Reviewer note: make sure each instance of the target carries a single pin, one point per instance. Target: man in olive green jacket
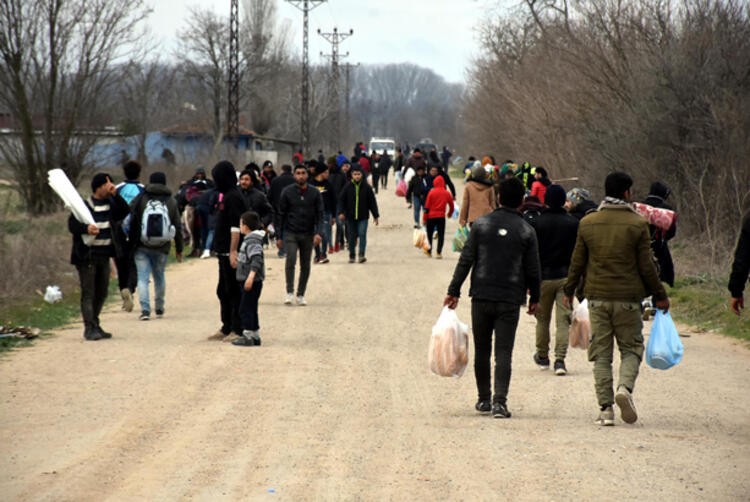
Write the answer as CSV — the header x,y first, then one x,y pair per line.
x,y
613,250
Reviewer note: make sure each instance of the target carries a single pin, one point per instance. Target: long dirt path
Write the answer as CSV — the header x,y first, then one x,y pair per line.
x,y
338,403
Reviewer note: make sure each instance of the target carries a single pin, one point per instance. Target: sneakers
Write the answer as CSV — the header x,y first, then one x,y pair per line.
x,y
301,301
337,248
624,401
500,410
248,339
351,259
316,260
542,362
159,313
145,316
289,299
606,417
91,334
324,260
219,335
483,406
427,253
127,300
331,250
559,367
206,254
438,256
362,259
231,337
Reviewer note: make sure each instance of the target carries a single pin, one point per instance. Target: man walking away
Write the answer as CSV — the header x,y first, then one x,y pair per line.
x,y
657,197
278,184
356,202
91,258
438,201
556,233
613,249
126,273
502,256
299,226
384,165
226,245
324,186
155,223
741,263
478,198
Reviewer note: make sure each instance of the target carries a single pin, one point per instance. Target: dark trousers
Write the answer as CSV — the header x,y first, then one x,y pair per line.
x,y
249,306
94,280
340,226
293,243
228,292
436,225
375,178
384,179
502,318
127,275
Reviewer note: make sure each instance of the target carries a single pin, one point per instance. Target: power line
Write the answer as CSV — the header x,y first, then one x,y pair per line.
x,y
335,38
305,6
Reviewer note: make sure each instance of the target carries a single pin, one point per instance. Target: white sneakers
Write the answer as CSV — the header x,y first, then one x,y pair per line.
x,y
301,301
289,299
206,254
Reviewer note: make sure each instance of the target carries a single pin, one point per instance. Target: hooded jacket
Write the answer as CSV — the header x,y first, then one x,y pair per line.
x,y
503,257
80,253
250,257
437,199
357,201
230,207
556,233
657,196
255,200
741,263
418,187
478,200
155,191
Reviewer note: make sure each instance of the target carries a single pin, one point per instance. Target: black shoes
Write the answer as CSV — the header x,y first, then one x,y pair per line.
x,y
91,334
500,410
542,362
351,259
560,369
362,259
145,316
483,406
159,313
244,341
102,333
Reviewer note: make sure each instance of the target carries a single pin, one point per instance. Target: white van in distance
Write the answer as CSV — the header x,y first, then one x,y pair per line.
x,y
380,144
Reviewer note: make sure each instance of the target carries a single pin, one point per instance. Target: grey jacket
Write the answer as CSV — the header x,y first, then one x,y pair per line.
x,y
250,257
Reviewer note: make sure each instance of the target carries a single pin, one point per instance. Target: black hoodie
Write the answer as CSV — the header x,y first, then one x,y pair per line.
x,y
230,207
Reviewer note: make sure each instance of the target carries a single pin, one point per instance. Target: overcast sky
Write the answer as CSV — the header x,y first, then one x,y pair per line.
x,y
437,34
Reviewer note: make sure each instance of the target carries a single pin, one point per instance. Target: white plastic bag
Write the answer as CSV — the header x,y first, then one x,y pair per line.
x,y
579,333
448,353
53,294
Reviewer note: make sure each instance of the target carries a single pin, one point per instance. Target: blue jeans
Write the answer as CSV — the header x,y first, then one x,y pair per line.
x,y
357,230
417,203
321,250
147,262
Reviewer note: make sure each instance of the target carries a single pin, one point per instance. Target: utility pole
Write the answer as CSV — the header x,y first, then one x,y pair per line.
x,y
305,6
233,106
335,38
347,94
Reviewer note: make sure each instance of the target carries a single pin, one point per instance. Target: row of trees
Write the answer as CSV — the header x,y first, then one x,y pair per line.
x,y
72,68
658,88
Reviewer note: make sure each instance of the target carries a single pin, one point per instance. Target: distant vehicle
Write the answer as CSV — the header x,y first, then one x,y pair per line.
x,y
426,145
380,144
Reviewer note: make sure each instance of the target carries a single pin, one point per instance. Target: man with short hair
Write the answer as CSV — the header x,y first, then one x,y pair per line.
x,y
278,184
356,202
91,258
151,257
502,256
255,199
613,250
127,276
299,225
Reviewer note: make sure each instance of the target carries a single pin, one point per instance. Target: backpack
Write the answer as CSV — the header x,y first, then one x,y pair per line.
x,y
156,228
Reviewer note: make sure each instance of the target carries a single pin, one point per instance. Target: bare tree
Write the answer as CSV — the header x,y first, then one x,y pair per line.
x,y
56,60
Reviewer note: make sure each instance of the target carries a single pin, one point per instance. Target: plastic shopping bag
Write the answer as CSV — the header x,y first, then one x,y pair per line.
x,y
456,211
448,354
579,333
460,238
420,239
401,189
664,348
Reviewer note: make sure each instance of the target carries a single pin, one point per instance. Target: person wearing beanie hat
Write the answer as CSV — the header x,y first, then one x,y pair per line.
x,y
556,233
155,223
91,256
478,198
579,203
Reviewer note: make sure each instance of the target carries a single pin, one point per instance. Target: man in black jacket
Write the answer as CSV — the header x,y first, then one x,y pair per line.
x,y
255,199
502,255
356,202
657,197
299,224
741,263
556,233
91,257
278,184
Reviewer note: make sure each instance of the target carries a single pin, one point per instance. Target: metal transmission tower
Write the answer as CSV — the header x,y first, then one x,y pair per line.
x,y
233,107
305,6
335,38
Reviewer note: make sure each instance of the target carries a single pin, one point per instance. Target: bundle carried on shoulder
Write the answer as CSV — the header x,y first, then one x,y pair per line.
x,y
657,216
579,333
448,354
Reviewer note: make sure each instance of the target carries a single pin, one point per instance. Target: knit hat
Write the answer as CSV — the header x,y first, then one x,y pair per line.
x,y
578,195
98,180
555,196
478,173
158,178
355,168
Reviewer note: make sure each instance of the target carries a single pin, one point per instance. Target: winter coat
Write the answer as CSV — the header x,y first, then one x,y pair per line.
x,y
329,197
503,257
229,209
556,233
613,249
418,187
583,208
659,237
357,201
250,257
256,200
539,189
437,200
80,253
741,263
300,211
278,184
478,200
155,191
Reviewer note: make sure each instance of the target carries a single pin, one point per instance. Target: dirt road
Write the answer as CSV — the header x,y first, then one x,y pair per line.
x,y
338,403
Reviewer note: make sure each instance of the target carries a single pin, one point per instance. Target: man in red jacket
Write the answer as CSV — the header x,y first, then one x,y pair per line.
x,y
435,212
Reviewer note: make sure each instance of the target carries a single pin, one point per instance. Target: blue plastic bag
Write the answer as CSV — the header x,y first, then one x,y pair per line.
x,y
664,348
456,211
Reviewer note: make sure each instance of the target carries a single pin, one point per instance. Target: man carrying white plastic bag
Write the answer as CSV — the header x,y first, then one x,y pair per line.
x,y
502,256
449,345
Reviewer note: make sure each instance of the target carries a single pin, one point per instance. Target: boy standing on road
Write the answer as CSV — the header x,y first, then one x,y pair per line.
x,y
251,271
613,249
503,259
